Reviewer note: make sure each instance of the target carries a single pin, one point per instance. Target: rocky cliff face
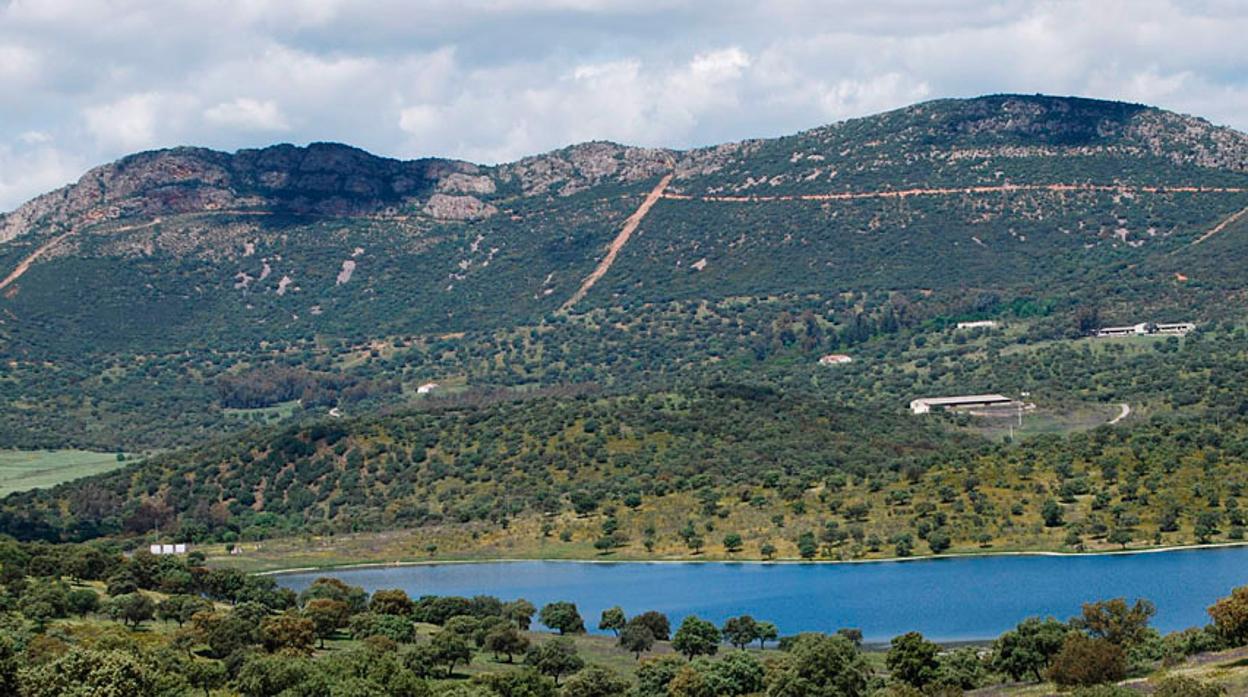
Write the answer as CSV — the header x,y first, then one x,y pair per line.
x,y
322,178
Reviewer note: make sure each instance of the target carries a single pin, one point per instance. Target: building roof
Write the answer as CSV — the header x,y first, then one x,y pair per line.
x,y
965,399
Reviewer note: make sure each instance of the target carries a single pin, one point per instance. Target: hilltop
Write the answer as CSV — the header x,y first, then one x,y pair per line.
x,y
134,299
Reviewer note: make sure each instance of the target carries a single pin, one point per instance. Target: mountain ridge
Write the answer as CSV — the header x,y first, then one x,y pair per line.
x,y
346,180
187,268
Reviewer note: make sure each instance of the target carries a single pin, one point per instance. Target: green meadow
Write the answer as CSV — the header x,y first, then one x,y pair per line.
x,y
22,470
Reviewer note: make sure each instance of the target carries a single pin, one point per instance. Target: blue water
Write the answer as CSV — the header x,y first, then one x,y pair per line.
x,y
945,599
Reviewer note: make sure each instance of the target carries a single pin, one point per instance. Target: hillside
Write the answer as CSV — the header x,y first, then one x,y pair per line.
x,y
132,298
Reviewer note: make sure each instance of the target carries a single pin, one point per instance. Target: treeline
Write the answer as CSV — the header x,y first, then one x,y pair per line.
x,y
264,387
348,475
79,619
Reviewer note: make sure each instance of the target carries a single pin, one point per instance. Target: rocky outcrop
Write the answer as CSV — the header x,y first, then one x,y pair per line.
x,y
322,178
446,207
579,167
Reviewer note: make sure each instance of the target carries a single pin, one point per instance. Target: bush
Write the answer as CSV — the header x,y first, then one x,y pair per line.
x,y
1184,686
1087,661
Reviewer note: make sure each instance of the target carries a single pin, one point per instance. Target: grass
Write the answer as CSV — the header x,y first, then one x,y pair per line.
x,y
22,470
281,410
1048,419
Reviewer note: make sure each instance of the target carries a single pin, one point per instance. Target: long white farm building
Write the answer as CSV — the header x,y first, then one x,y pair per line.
x,y
927,404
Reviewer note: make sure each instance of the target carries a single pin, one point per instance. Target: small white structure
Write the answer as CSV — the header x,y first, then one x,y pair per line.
x,y
427,388
1148,328
835,359
927,404
179,548
983,323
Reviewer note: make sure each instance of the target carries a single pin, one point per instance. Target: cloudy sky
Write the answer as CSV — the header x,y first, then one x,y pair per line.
x,y
86,81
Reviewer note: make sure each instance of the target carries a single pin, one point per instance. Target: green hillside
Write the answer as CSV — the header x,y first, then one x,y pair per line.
x,y
161,276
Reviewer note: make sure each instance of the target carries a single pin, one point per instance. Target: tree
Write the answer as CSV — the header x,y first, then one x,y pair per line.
x,y
656,622
521,612
88,672
205,675
961,668
733,543
1117,622
807,547
912,659
818,665
596,681
507,641
369,624
450,649
740,631
696,637
738,673
1051,511
768,550
328,616
613,619
335,589
1085,660
563,617
903,544
688,682
513,683
391,602
636,638
181,608
938,541
1230,617
1206,526
288,633
1120,536
1029,648
132,608
556,657
83,601
272,675
767,632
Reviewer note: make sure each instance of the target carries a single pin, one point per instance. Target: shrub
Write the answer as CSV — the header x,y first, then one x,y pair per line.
x,y
1088,661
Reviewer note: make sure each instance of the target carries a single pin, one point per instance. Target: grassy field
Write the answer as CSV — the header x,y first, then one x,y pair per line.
x,y
282,410
22,470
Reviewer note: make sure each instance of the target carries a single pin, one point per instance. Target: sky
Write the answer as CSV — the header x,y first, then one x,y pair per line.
x,y
87,81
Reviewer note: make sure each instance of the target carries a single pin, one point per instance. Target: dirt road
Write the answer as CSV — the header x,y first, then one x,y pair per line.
x,y
618,243
1124,413
1220,226
1003,188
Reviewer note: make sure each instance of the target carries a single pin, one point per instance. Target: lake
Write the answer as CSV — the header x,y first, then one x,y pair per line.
x,y
949,599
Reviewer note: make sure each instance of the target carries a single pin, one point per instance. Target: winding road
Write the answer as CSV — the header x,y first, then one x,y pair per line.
x,y
1126,411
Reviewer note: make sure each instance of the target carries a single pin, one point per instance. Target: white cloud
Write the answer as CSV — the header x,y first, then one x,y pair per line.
x,y
493,80
249,114
26,173
129,122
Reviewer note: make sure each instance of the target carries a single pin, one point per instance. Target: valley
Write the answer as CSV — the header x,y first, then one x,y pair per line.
x,y
314,357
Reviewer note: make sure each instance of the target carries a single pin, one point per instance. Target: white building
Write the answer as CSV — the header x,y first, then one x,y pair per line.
x,y
835,359
427,388
983,323
1177,328
1140,329
179,548
1147,328
927,404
